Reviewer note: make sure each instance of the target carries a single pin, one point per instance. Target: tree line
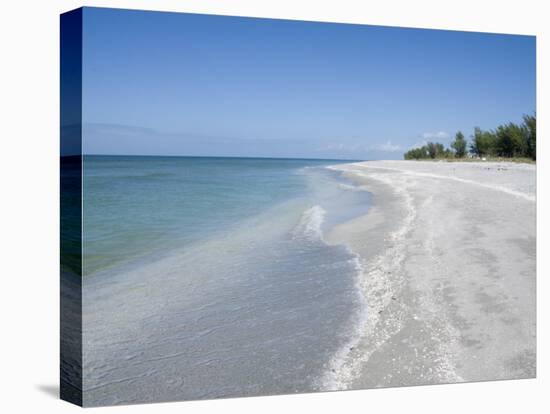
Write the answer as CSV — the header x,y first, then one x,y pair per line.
x,y
507,141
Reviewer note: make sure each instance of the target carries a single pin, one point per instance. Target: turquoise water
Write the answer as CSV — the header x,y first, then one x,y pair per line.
x,y
136,205
210,277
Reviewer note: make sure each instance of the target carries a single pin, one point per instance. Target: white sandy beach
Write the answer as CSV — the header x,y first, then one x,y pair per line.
x,y
448,258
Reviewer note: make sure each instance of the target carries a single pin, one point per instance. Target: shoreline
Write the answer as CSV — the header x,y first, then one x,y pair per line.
x,y
448,258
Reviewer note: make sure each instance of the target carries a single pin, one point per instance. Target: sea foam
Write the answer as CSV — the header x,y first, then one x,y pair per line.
x,y
310,225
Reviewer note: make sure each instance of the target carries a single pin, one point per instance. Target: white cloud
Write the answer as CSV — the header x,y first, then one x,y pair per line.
x,y
388,147
435,135
338,147
418,144
342,147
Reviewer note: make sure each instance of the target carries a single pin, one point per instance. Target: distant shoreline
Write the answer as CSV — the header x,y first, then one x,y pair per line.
x,y
519,160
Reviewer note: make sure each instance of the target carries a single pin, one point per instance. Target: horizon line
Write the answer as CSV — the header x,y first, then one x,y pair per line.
x,y
212,156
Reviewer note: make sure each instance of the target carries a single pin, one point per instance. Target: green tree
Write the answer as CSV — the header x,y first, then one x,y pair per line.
x,y
440,150
432,149
510,140
483,143
459,145
416,153
447,153
530,126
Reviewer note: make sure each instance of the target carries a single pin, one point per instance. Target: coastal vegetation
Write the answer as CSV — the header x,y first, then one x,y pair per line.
x,y
509,141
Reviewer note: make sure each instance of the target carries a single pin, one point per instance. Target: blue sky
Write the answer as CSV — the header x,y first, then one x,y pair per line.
x,y
183,84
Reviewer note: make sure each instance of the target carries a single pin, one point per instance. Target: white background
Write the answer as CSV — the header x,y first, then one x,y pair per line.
x,y
29,146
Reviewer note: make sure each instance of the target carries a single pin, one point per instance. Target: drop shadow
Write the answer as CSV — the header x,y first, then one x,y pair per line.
x,y
49,389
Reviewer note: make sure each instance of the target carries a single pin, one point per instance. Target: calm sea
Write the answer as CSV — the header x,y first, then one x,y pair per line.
x,y
209,277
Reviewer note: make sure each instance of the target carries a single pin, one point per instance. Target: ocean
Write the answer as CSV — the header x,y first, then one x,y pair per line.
x,y
209,277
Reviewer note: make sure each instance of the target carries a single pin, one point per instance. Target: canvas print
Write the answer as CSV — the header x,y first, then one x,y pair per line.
x,y
257,206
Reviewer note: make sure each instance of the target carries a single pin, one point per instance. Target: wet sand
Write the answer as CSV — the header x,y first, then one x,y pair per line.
x,y
448,272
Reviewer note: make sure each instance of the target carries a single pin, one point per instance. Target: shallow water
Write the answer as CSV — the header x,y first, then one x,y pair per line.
x,y
209,277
